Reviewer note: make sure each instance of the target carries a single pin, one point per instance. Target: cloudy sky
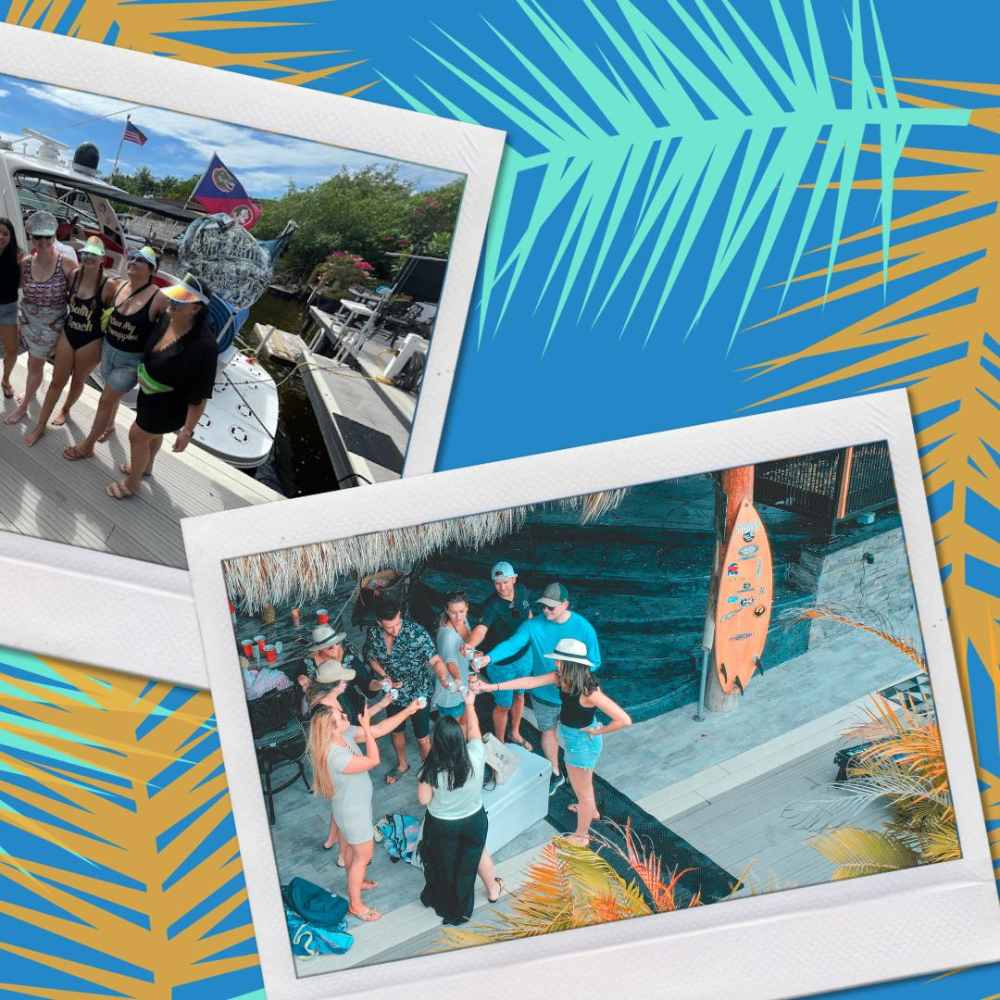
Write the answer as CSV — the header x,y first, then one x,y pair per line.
x,y
182,145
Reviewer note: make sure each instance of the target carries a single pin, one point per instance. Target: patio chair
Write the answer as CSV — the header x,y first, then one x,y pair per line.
x,y
280,740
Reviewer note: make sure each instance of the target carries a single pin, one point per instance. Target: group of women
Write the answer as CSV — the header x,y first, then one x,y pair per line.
x,y
450,781
79,317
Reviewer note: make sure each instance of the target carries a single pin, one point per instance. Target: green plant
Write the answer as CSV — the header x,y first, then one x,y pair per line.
x,y
335,276
904,767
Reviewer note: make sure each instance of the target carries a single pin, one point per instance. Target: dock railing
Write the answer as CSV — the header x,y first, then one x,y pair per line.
x,y
829,487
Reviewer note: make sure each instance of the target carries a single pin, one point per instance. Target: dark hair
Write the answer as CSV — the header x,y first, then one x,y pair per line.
x,y
455,597
449,755
8,259
576,679
386,608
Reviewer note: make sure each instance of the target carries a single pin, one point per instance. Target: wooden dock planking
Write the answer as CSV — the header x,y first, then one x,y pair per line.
x,y
45,495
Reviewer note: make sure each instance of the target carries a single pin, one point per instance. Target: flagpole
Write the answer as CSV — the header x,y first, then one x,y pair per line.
x,y
121,142
197,183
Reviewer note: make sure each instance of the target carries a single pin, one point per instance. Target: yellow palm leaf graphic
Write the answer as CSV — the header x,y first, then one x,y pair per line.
x,y
115,813
958,397
147,27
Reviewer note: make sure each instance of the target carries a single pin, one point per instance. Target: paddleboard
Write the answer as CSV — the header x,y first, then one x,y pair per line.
x,y
743,608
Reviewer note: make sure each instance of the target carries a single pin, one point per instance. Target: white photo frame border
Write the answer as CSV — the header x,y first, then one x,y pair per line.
x,y
90,608
898,924
317,116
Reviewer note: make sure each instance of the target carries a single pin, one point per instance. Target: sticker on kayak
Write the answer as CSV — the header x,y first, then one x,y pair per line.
x,y
747,532
749,551
732,569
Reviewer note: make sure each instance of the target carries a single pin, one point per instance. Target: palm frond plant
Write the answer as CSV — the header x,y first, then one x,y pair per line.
x,y
570,886
628,156
903,767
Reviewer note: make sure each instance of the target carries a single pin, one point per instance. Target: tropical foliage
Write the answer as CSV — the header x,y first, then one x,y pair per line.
x,y
370,213
631,169
120,863
143,183
902,767
571,886
339,272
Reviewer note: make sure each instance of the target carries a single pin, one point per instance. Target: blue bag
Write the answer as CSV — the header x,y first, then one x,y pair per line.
x,y
313,903
400,836
312,939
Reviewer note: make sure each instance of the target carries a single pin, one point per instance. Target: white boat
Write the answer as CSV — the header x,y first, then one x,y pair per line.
x,y
241,418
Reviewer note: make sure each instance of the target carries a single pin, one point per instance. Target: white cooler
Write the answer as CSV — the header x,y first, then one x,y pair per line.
x,y
520,802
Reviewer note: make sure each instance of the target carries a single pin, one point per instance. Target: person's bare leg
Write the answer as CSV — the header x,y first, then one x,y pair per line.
x,y
36,367
487,872
109,428
8,340
399,745
85,360
550,747
361,854
516,714
154,448
333,836
106,408
582,781
424,746
500,722
61,372
140,450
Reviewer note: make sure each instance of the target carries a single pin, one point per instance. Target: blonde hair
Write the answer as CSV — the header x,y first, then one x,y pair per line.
x,y
320,740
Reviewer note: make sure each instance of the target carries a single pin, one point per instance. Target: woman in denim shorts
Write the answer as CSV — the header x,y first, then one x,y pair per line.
x,y
137,306
582,741
41,317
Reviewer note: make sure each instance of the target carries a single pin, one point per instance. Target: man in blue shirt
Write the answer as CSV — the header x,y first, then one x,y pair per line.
x,y
503,613
539,636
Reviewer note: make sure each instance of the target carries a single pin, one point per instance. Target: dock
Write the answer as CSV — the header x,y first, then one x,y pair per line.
x,y
278,344
44,495
365,422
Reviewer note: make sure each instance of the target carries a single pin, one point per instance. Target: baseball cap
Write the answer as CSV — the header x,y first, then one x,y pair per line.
x,y
42,224
502,571
94,246
146,254
553,595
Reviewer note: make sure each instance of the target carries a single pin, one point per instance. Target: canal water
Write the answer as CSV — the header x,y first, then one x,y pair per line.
x,y
300,461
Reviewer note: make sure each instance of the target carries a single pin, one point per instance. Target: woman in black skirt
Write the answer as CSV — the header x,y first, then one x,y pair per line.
x,y
176,378
79,348
453,846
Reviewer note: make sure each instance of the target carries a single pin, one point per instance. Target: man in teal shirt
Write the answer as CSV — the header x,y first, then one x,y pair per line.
x,y
539,636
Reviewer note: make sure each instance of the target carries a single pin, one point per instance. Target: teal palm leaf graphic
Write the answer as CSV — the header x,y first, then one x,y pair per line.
x,y
709,129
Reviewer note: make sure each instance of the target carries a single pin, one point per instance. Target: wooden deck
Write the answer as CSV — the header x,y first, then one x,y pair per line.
x,y
44,495
365,424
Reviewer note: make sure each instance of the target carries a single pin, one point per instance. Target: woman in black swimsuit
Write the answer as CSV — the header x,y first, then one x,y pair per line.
x,y
79,347
138,305
176,378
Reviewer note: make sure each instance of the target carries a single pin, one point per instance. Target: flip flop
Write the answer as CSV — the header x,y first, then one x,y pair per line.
x,y
499,884
118,491
368,915
521,742
395,774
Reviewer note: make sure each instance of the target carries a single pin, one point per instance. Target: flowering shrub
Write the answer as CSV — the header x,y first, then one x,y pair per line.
x,y
340,271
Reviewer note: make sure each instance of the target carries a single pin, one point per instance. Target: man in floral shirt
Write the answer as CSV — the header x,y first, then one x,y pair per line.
x,y
401,651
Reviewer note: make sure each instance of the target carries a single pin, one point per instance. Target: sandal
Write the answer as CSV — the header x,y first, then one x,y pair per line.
x,y
118,491
499,884
367,914
521,742
395,774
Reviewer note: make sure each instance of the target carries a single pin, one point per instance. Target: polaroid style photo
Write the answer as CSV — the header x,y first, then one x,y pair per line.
x,y
218,291
588,715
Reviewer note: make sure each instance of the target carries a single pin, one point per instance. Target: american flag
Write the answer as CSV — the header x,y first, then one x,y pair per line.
x,y
134,134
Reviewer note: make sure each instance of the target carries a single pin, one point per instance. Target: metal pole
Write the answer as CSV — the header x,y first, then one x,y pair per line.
x,y
121,142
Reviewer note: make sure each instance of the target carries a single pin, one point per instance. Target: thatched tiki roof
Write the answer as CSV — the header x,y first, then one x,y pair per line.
x,y
301,574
